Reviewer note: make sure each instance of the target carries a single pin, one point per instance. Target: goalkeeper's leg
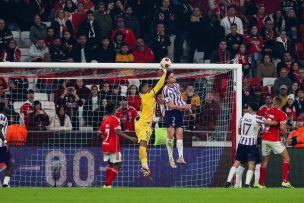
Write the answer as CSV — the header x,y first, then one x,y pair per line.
x,y
144,159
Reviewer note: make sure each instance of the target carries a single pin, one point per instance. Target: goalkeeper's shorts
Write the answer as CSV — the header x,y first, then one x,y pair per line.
x,y
143,131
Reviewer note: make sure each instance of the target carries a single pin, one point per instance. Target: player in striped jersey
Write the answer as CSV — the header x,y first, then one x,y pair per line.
x,y
249,127
5,155
174,117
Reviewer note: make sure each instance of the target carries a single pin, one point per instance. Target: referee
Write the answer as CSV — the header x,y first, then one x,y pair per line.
x,y
174,117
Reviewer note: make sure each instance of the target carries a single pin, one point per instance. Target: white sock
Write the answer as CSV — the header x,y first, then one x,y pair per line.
x,y
169,144
257,173
231,174
239,176
249,177
180,148
6,180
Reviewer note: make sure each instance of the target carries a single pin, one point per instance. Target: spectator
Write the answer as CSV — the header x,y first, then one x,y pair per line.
x,y
25,12
5,35
255,45
268,105
27,108
210,112
300,100
131,20
266,69
69,6
118,41
282,80
38,50
256,96
301,78
133,97
232,18
216,34
61,121
38,119
58,52
278,21
269,36
258,20
2,92
282,45
105,52
127,115
159,114
91,106
104,20
292,110
61,24
234,40
143,54
90,28
294,72
82,52
243,58
50,37
78,17
115,96
294,89
160,42
105,91
71,102
198,33
88,5
38,30
286,63
283,94
101,113
124,56
83,92
190,97
18,89
68,41
12,53
221,55
288,5
292,25
130,38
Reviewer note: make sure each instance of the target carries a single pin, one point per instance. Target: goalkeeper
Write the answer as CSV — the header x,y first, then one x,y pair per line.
x,y
143,128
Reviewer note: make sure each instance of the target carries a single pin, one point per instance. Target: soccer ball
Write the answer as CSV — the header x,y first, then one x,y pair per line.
x,y
165,63
56,165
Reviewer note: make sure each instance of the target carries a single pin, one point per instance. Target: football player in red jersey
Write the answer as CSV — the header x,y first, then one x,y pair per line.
x,y
110,132
271,142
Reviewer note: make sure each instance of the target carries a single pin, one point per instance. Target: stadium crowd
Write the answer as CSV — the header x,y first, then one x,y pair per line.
x,y
266,37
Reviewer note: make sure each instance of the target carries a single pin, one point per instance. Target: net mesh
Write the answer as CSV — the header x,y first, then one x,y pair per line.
x,y
62,147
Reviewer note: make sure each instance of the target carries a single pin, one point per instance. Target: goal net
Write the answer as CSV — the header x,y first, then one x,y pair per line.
x,y
62,106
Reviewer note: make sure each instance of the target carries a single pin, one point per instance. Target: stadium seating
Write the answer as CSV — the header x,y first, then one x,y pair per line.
x,y
269,83
24,55
16,36
25,39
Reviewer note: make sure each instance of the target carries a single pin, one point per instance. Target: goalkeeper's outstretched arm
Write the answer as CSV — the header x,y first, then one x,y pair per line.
x,y
159,84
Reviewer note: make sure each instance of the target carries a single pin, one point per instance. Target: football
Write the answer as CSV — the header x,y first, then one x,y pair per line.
x,y
165,63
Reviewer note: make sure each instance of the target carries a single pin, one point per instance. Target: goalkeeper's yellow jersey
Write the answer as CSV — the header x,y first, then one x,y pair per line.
x,y
148,102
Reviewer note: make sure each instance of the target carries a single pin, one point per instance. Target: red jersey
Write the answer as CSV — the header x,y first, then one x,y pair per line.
x,y
130,38
110,142
134,101
26,109
263,110
272,133
127,117
256,44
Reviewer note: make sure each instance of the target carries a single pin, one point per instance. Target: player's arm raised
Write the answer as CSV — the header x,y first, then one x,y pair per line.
x,y
159,84
123,135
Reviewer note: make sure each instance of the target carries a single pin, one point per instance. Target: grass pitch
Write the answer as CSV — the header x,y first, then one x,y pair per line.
x,y
149,195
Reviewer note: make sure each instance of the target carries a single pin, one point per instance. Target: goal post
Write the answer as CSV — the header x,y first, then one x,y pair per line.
x,y
73,158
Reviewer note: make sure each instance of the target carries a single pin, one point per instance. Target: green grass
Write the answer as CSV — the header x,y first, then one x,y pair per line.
x,y
149,195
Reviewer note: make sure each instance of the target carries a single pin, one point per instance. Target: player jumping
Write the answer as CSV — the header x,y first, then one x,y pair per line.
x,y
247,151
5,155
110,131
174,118
143,125
271,142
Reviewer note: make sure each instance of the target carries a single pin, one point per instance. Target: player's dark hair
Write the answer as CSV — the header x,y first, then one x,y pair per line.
x,y
254,106
168,74
141,86
277,101
268,95
110,108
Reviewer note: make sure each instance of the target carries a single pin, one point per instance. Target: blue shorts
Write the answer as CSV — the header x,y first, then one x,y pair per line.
x,y
174,119
247,153
5,156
